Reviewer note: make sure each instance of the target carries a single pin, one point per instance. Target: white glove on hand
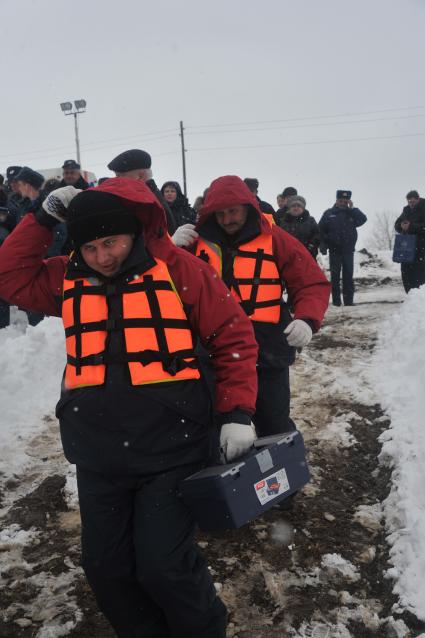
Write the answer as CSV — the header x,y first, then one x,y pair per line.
x,y
298,333
185,235
57,202
236,439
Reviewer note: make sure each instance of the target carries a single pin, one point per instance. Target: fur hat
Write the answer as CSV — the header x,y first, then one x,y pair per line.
x,y
296,199
30,177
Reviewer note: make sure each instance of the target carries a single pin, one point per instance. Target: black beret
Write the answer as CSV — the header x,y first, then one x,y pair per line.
x,y
29,176
130,161
11,172
343,194
71,164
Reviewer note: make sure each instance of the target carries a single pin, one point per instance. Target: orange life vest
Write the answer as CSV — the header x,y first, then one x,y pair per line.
x,y
158,340
256,282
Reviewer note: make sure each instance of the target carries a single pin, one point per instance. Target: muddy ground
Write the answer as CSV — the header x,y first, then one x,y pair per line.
x,y
316,571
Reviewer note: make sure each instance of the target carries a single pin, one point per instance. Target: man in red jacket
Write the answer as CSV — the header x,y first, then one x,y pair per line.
x,y
258,261
134,413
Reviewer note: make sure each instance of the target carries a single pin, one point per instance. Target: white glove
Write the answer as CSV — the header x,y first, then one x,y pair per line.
x,y
57,202
298,333
236,439
185,235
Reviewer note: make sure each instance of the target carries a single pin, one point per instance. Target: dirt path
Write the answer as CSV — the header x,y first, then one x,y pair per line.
x,y
315,572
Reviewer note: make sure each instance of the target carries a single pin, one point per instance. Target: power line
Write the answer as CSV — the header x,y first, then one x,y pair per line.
x,y
90,144
295,126
308,117
358,139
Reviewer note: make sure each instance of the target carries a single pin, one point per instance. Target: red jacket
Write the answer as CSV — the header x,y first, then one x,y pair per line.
x,y
308,289
35,283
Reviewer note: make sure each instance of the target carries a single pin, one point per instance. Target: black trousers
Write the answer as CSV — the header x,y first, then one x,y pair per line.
x,y
140,558
273,402
413,275
4,314
344,262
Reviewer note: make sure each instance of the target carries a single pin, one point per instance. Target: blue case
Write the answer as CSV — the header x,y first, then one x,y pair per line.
x,y
404,248
228,496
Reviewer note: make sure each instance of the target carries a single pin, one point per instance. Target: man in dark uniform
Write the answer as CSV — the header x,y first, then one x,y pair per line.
x,y
338,230
71,175
137,164
253,185
15,201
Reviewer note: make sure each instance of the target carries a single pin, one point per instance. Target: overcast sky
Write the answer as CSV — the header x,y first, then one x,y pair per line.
x,y
265,89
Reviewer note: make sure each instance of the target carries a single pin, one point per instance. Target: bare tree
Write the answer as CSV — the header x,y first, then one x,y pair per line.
x,y
383,233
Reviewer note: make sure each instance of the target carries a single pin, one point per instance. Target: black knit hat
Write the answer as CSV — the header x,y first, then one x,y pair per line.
x,y
130,161
30,177
289,191
93,214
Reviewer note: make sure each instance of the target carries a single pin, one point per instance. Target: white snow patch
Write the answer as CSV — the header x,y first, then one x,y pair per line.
x,y
336,565
337,433
32,366
398,374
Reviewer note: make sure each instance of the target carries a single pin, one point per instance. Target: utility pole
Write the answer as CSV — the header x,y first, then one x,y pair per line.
x,y
77,139
80,107
183,158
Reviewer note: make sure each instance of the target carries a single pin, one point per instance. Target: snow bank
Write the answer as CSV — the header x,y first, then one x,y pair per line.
x,y
399,376
32,362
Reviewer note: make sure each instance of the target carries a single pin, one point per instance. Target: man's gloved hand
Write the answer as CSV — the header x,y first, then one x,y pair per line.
x,y
323,249
185,235
57,202
298,333
236,439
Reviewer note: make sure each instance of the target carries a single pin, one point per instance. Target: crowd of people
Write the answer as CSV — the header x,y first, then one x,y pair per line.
x,y
181,324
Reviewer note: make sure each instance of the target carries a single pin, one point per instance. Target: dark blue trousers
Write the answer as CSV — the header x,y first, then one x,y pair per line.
x,y
4,314
344,262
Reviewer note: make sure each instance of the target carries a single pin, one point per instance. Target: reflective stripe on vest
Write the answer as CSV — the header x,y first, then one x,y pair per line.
x,y
157,335
256,281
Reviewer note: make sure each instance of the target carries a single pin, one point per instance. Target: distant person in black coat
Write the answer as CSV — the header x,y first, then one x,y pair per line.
x,y
71,175
338,229
136,164
282,200
298,222
7,223
177,201
412,222
253,185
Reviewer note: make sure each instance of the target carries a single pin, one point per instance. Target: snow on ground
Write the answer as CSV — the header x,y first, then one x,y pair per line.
x,y
32,362
399,374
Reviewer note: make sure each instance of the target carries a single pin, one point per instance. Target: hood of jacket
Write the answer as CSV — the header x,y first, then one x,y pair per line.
x,y
138,198
228,191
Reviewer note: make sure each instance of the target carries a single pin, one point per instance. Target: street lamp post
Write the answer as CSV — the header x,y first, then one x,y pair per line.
x,y
80,107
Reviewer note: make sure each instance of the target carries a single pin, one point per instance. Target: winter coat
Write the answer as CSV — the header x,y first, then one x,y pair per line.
x,y
265,207
182,212
80,183
304,228
150,428
17,205
306,285
171,222
416,217
338,228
